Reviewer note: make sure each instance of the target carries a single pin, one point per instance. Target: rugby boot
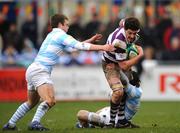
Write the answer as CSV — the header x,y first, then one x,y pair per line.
x,y
9,127
36,126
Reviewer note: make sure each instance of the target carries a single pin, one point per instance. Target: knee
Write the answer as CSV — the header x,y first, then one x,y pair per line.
x,y
51,102
117,95
117,89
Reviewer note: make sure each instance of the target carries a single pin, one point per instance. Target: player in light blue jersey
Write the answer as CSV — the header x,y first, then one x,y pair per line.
x,y
38,74
129,108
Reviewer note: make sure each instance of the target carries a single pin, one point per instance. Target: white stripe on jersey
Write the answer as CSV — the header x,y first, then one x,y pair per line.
x,y
69,40
109,57
55,34
55,49
119,33
52,47
110,39
44,59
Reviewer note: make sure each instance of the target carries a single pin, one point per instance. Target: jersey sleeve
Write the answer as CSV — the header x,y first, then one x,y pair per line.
x,y
69,41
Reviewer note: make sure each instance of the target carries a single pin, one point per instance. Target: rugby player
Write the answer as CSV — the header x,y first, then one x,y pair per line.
x,y
38,74
101,118
114,62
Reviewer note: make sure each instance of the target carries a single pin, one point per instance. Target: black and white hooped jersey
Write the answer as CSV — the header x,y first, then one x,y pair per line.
x,y
120,53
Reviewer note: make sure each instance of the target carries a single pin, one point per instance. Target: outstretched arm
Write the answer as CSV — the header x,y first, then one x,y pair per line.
x,y
71,42
94,38
106,47
85,118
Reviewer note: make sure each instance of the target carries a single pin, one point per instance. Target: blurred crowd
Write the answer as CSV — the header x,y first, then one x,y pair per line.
x,y
160,37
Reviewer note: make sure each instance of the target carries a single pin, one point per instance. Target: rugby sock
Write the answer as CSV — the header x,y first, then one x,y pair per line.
x,y
113,111
20,112
121,113
40,112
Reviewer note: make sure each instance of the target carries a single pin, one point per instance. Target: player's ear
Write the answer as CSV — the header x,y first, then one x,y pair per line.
x,y
60,25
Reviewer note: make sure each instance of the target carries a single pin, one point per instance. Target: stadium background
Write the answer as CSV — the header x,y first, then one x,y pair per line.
x,y
78,76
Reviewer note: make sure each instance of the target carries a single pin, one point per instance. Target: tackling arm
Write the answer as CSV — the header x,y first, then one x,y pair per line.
x,y
94,38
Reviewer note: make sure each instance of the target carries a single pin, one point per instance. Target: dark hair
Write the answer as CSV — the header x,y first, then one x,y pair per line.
x,y
132,23
56,19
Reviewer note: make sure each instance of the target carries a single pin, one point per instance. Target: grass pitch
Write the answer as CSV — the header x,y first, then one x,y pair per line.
x,y
153,117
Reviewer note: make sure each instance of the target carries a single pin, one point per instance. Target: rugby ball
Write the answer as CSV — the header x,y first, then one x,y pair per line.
x,y
131,51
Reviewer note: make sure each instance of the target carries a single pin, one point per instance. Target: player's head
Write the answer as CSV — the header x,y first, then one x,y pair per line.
x,y
131,26
60,21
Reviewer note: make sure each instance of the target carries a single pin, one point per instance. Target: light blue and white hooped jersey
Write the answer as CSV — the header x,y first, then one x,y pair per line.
x,y
53,45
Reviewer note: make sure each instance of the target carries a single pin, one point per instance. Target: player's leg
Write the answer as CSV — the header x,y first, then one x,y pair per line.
x,y
32,100
111,71
85,120
46,92
44,86
134,93
131,106
132,96
133,101
121,119
89,119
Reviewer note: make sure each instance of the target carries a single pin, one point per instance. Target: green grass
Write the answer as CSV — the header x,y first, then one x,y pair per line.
x,y
153,117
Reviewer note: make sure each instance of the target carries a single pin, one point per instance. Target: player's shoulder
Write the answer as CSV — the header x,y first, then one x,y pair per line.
x,y
121,35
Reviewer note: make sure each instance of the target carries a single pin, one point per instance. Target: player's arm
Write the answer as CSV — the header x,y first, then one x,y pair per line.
x,y
93,39
106,47
71,42
127,64
85,117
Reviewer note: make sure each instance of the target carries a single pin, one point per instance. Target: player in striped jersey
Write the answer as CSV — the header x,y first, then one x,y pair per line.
x,y
114,62
101,118
38,74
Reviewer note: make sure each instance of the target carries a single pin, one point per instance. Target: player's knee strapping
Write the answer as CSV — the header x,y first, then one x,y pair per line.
x,y
118,92
116,86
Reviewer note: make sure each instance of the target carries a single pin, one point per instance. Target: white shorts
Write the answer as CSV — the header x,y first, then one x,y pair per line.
x,y
104,113
36,75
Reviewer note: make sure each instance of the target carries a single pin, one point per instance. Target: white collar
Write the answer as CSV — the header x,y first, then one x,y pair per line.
x,y
58,29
